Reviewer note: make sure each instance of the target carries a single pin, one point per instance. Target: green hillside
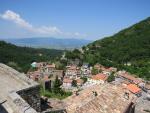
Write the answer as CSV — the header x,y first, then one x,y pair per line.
x,y
20,58
129,46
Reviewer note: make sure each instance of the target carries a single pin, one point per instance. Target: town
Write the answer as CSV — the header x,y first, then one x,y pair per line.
x,y
85,83
75,56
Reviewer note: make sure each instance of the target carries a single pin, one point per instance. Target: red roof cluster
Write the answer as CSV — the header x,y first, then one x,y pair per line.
x,y
109,69
133,88
100,76
130,77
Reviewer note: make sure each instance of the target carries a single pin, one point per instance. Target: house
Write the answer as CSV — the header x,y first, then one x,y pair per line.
x,y
46,68
79,82
134,89
105,70
36,75
71,71
85,70
46,82
130,78
67,83
49,68
48,79
98,79
109,99
40,64
109,70
59,73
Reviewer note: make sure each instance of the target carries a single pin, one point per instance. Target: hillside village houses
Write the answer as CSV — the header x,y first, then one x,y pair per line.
x,y
48,72
86,70
134,89
98,79
128,77
105,70
45,73
72,71
67,83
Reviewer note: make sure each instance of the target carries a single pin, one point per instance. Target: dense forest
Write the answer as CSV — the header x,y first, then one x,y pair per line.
x,y
20,58
129,49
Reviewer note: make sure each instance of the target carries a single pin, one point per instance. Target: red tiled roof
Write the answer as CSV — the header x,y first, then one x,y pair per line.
x,y
100,76
132,78
133,88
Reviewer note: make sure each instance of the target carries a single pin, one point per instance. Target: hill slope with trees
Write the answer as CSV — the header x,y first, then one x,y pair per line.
x,y
20,58
129,49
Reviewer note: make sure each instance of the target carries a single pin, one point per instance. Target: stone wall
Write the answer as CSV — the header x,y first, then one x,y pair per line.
x,y
32,97
2,109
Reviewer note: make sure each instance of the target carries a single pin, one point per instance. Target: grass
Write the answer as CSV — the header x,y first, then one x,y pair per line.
x,y
51,94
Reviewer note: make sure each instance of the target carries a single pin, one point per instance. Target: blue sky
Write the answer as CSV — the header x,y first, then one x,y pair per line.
x,y
88,19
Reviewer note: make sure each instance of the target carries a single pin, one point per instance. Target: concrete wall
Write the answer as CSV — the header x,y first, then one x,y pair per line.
x,y
32,97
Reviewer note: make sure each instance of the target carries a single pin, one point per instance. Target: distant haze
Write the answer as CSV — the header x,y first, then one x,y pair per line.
x,y
54,43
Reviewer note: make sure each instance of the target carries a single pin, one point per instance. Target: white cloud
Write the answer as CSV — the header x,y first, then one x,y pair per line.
x,y
78,34
14,17
45,30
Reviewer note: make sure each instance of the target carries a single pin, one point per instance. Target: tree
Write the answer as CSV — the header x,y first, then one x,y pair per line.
x,y
84,79
21,58
111,77
59,65
57,84
95,71
74,83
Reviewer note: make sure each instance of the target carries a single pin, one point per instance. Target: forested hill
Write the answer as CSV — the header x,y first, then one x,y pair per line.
x,y
130,46
20,58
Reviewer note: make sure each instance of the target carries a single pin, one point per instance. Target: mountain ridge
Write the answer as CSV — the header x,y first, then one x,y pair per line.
x,y
49,42
129,49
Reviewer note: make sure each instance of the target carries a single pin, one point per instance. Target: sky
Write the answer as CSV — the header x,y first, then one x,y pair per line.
x,y
82,19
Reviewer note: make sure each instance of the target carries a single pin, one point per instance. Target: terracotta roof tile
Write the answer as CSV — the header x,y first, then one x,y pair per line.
x,y
100,76
133,88
130,77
